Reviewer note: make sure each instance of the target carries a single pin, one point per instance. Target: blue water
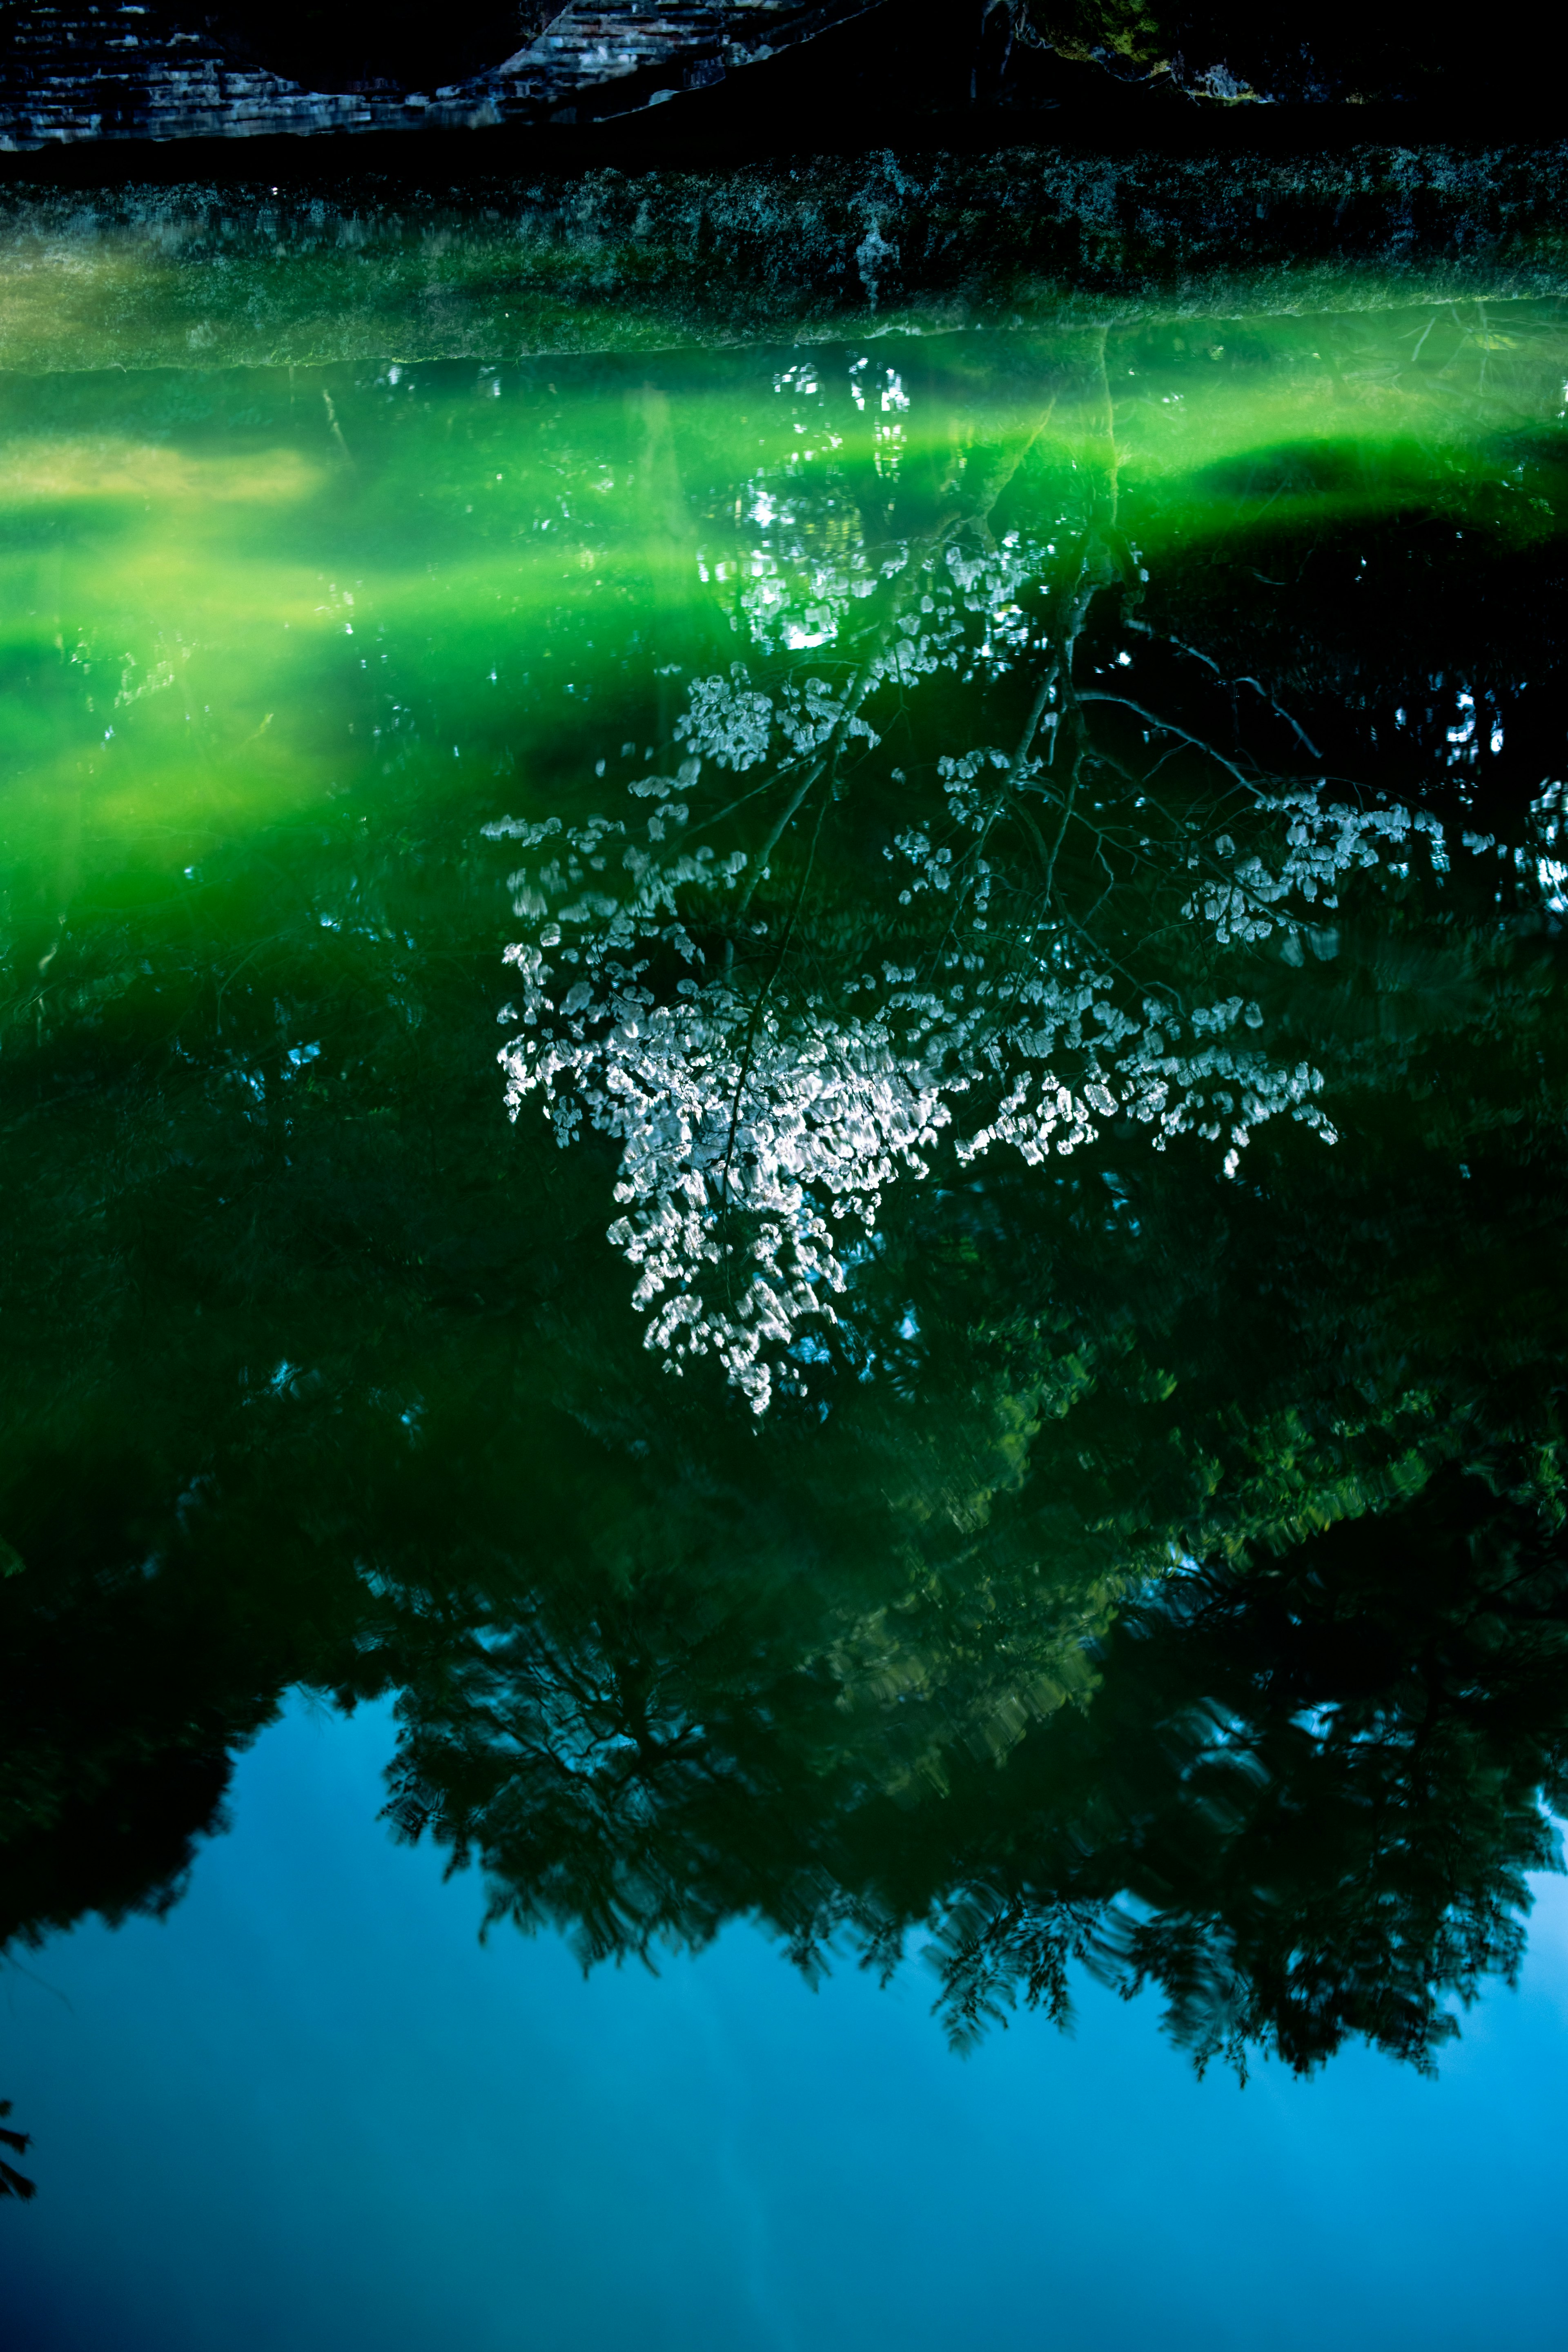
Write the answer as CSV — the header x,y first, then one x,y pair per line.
x,y
310,2110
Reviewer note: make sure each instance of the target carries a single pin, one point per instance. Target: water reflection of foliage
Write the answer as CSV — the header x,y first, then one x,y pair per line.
x,y
834,1677
1305,1789
662,1666
1088,919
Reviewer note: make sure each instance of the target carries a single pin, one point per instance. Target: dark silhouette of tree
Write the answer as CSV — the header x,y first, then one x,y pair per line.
x,y
12,2182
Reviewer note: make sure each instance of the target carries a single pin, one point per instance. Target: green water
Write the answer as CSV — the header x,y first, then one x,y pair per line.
x,y
1004,1375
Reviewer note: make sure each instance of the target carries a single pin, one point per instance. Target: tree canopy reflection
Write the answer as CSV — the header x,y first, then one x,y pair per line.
x,y
1124,1529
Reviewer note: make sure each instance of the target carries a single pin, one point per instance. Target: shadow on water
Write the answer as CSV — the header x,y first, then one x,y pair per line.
x,y
1003,1384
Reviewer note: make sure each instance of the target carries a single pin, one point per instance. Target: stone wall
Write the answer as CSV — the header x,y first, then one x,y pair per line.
x,y
123,70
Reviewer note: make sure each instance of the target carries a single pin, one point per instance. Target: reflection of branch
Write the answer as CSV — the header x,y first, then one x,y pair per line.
x,y
766,990
1102,860
1163,636
1169,727
756,791
985,487
861,684
918,554
1105,955
1098,559
1095,551
1031,727
239,968
1009,784
1280,712
1069,796
760,865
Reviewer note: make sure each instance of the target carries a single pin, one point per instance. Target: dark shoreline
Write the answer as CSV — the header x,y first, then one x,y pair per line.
x,y
582,256
707,131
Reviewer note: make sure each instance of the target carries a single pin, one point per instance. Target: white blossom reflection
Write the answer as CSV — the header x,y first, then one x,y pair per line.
x,y
1058,942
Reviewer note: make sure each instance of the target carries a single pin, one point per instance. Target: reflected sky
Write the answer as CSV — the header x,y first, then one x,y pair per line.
x,y
310,2106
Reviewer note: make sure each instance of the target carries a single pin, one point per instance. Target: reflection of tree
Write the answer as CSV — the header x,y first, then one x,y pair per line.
x,y
1088,924
1304,1790
661,1670
1112,887
12,2182
1306,1799
318,1372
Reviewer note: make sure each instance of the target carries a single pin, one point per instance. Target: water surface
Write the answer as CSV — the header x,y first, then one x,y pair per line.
x,y
817,1093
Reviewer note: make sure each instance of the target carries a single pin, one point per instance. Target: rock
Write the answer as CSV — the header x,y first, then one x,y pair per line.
x,y
125,71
